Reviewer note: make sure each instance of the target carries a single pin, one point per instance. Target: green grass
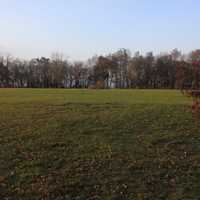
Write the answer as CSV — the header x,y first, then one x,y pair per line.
x,y
98,144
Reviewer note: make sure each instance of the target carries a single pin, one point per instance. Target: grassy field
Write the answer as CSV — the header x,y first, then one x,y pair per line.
x,y
98,145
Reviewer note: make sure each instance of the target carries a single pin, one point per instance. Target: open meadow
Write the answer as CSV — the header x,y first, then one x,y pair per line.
x,y
58,144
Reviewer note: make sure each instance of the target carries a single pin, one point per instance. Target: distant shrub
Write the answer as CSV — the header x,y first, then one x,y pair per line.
x,y
194,91
98,85
195,94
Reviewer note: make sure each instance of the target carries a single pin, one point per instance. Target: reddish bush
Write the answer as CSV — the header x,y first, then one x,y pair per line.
x,y
194,93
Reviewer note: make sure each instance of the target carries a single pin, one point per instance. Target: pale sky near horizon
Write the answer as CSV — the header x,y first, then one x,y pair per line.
x,y
82,28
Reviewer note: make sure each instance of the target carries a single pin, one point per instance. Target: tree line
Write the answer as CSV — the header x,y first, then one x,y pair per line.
x,y
117,70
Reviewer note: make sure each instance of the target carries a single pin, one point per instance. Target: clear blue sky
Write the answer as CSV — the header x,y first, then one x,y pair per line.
x,y
82,28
